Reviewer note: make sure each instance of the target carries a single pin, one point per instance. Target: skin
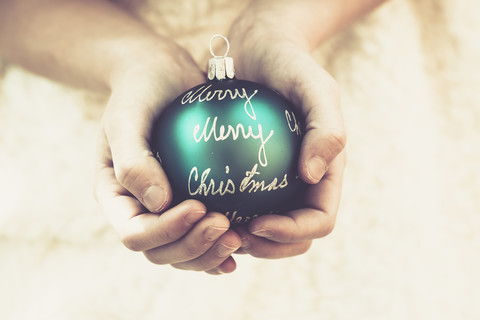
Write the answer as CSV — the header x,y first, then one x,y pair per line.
x,y
271,43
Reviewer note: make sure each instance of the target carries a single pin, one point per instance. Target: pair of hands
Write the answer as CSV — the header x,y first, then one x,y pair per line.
x,y
133,189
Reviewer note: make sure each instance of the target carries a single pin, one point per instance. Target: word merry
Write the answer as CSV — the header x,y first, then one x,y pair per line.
x,y
220,133
204,94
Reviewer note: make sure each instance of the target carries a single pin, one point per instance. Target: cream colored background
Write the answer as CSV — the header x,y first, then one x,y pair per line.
x,y
407,240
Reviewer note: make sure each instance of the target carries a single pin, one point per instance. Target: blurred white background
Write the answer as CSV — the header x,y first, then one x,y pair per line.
x,y
407,240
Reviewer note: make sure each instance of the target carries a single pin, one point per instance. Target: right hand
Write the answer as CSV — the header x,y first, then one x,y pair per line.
x,y
275,52
131,186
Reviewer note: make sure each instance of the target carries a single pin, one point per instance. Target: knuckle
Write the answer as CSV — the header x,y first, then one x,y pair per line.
x,y
132,242
127,172
192,266
332,85
262,252
304,247
290,250
193,251
201,265
327,228
166,236
337,138
329,84
192,205
154,258
291,238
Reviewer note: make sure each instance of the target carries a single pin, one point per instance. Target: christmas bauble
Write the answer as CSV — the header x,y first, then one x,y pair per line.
x,y
232,144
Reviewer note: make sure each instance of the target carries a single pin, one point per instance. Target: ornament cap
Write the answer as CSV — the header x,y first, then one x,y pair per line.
x,y
220,67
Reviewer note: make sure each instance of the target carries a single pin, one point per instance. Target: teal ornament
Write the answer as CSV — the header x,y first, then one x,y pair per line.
x,y
231,144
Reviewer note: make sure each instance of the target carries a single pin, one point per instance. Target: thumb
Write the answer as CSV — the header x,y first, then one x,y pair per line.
x,y
316,95
319,98
127,123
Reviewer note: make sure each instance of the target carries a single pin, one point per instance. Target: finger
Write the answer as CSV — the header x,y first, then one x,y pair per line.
x,y
216,257
135,167
140,231
264,248
324,136
146,231
227,266
137,229
318,217
198,241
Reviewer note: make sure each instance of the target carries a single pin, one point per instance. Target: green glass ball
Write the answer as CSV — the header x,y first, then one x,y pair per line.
x,y
233,145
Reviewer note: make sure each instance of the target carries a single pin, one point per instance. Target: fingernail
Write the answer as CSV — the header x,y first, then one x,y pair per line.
x,y
263,233
316,168
194,216
155,198
224,250
213,233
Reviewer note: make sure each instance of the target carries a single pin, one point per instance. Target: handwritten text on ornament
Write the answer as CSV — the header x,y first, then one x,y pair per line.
x,y
204,94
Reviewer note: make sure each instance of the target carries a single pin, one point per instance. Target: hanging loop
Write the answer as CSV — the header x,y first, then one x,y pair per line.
x,y
211,49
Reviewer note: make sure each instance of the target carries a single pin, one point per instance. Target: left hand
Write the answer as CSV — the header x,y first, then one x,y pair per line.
x,y
132,187
264,54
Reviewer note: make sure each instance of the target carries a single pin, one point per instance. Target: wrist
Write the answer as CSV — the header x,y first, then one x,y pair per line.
x,y
272,22
306,23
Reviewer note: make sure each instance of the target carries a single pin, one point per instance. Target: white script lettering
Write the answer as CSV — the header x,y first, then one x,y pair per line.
x,y
206,185
204,188
204,94
292,122
220,133
253,186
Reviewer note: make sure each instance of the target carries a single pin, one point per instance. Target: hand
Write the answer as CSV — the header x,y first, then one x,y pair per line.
x,y
131,185
266,53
